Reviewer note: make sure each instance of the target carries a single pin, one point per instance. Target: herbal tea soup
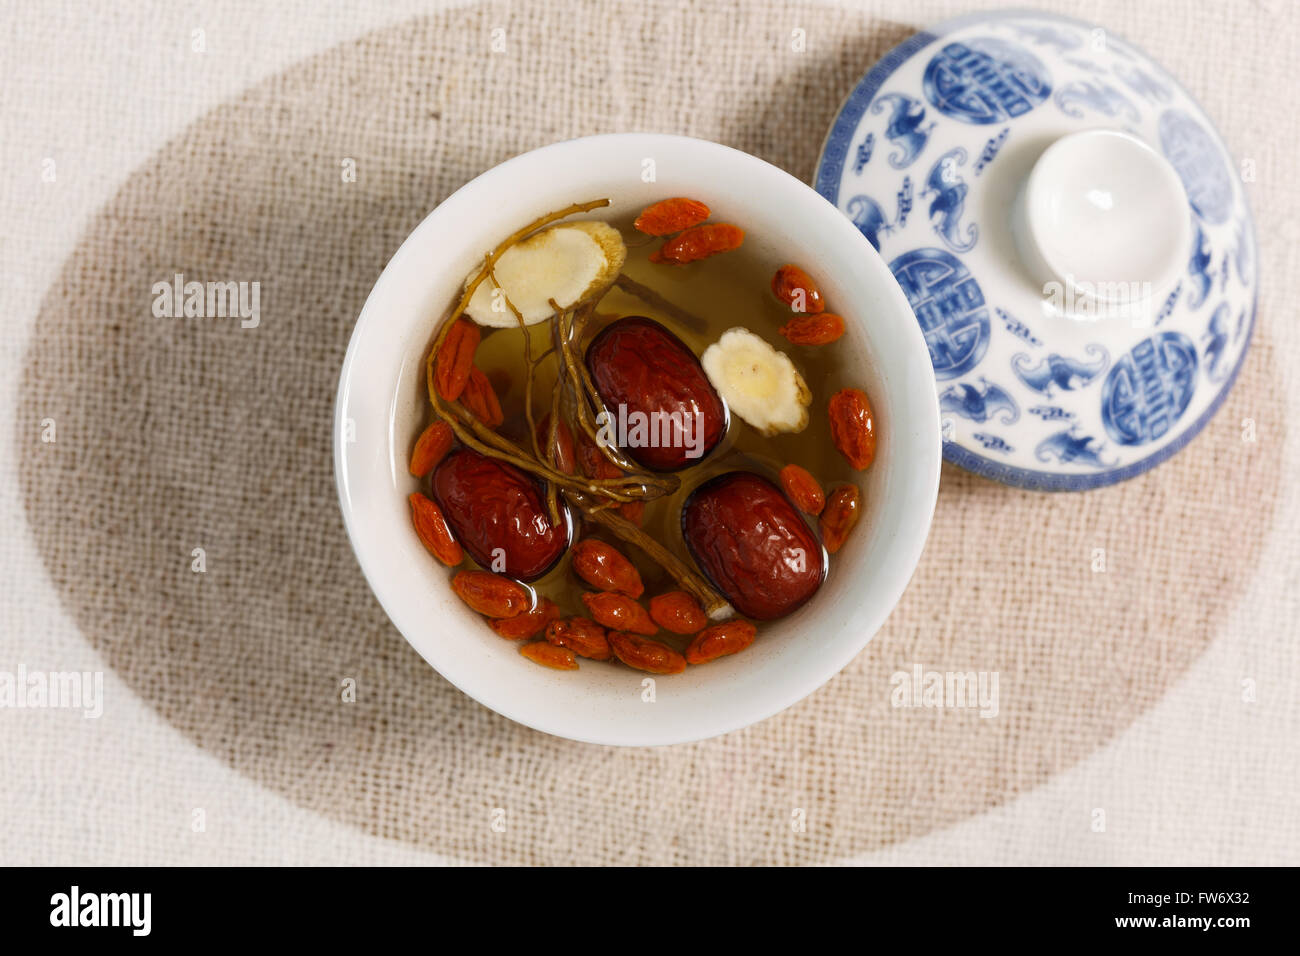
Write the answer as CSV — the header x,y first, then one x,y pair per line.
x,y
641,440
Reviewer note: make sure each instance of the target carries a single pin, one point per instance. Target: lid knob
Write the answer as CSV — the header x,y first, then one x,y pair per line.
x,y
1104,215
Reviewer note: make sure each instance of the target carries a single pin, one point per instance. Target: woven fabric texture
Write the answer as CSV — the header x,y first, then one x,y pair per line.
x,y
174,435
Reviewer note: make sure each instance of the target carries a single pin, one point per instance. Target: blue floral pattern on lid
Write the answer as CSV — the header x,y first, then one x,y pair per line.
x,y
926,157
1199,164
1149,389
950,307
985,80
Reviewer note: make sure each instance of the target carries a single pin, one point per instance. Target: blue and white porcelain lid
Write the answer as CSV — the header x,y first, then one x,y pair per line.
x,y
1071,232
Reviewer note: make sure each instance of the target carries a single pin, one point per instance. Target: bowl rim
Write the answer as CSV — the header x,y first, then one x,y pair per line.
x,y
905,553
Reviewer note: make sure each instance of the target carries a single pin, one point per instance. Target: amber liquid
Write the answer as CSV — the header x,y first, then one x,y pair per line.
x,y
728,290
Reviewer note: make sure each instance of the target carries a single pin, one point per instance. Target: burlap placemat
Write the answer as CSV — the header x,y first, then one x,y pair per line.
x,y
178,434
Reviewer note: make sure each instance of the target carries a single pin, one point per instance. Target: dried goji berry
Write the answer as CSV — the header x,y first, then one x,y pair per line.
x,y
633,511
729,637
526,625
491,594
645,655
796,289
548,655
803,489
843,509
678,612
433,532
620,612
603,566
455,359
853,428
581,635
699,242
433,443
813,329
669,216
481,399
564,449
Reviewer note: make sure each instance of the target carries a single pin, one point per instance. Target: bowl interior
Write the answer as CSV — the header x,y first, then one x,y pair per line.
x,y
381,405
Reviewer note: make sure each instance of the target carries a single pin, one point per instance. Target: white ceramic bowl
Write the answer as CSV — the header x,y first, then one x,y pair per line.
x,y
381,404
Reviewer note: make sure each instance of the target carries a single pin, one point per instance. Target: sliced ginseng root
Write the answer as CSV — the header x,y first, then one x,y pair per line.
x,y
569,263
758,383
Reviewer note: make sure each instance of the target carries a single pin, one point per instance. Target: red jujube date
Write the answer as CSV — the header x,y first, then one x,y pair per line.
x,y
753,545
497,510
667,414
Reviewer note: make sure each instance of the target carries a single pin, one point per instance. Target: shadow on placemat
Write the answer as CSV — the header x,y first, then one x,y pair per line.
x,y
176,434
